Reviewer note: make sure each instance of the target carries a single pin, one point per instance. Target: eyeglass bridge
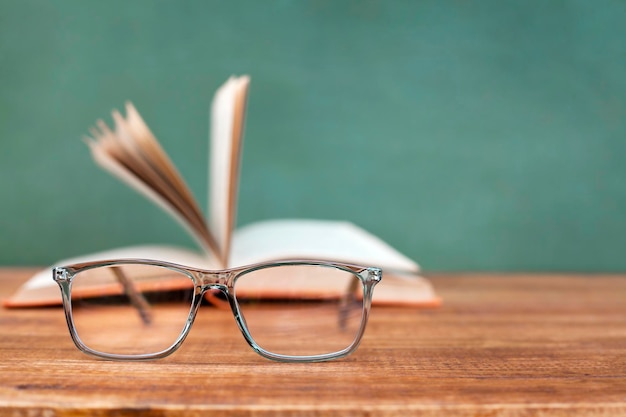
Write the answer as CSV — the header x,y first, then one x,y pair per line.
x,y
215,280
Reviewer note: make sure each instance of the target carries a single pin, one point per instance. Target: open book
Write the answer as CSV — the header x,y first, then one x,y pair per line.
x,y
132,153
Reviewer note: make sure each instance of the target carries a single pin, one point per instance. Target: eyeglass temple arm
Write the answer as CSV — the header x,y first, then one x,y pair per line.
x,y
136,297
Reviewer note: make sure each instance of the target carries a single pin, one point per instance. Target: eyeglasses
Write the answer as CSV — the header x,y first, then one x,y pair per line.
x,y
292,311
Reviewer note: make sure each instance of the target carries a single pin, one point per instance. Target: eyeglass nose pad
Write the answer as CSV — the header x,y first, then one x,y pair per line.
x,y
217,299
214,295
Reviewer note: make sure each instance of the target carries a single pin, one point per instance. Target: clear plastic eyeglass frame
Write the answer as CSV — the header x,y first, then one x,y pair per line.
x,y
224,282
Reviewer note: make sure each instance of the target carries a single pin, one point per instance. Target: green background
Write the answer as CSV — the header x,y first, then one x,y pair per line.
x,y
485,135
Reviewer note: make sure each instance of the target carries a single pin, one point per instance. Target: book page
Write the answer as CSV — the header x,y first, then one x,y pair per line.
x,y
227,121
41,290
109,164
339,241
147,153
133,155
314,239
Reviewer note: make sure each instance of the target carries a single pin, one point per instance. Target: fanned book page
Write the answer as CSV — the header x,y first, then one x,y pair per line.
x,y
132,153
227,123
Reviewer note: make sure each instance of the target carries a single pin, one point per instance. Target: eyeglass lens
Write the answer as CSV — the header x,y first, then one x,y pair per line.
x,y
310,309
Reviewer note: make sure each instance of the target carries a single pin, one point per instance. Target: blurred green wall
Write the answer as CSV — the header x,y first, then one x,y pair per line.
x,y
471,135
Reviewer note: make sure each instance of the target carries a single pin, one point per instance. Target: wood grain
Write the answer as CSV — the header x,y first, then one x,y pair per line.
x,y
501,345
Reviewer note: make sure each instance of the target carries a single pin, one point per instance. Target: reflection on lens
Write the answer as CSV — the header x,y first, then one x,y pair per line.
x,y
301,310
130,309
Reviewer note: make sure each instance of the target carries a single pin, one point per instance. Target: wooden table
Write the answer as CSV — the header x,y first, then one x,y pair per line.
x,y
509,345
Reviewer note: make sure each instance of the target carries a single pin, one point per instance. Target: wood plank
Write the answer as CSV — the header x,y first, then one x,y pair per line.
x,y
505,345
